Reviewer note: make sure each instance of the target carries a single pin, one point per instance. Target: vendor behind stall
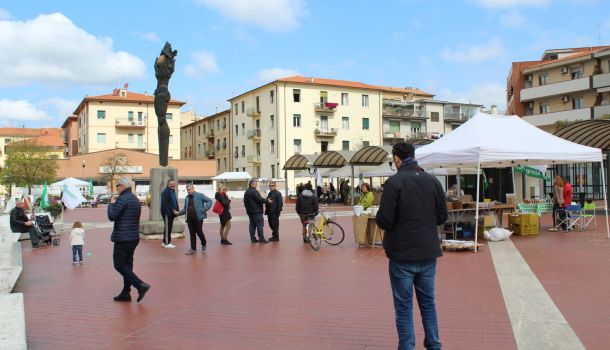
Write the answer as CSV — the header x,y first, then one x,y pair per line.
x,y
366,199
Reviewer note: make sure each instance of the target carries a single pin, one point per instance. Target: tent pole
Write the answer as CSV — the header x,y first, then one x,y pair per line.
x,y
605,199
351,185
512,173
286,183
459,183
476,212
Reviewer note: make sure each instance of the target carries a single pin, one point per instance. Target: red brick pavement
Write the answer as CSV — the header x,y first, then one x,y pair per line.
x,y
274,296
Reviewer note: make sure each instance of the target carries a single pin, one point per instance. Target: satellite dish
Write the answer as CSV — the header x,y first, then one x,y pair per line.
x,y
126,85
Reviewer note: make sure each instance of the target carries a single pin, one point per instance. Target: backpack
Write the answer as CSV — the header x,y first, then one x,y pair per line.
x,y
218,208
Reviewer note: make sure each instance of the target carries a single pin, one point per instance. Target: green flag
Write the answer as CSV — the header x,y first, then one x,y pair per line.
x,y
44,201
533,172
90,187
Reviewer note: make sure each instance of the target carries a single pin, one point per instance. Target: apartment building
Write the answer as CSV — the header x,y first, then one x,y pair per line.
x,y
208,138
70,136
565,85
125,119
10,135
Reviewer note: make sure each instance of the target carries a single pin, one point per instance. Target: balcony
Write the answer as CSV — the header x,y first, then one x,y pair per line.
x,y
392,135
327,107
601,80
325,132
600,111
253,112
403,113
552,118
210,154
130,123
455,118
562,88
210,134
254,158
420,136
254,134
131,145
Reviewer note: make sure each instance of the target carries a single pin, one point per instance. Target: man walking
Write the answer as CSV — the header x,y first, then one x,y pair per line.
x,y
273,211
412,205
125,211
169,209
20,223
253,201
195,207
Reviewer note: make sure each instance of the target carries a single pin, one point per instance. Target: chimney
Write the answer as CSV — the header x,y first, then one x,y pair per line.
x,y
494,109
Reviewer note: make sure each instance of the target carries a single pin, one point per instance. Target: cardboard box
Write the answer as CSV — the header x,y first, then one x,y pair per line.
x,y
449,205
359,224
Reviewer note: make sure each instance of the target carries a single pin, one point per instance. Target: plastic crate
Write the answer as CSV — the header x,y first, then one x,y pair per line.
x,y
524,229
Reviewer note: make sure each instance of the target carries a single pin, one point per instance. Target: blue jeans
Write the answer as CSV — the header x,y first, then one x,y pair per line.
x,y
256,223
77,249
403,277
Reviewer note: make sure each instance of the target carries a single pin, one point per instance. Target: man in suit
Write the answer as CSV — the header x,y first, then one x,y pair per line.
x,y
169,210
273,210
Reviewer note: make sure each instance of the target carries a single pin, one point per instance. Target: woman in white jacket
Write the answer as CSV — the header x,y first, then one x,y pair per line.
x,y
77,240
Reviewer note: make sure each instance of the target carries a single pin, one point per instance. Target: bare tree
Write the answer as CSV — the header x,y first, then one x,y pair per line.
x,y
112,166
28,164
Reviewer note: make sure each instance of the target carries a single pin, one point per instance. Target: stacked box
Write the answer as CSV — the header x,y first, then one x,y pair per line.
x,y
523,224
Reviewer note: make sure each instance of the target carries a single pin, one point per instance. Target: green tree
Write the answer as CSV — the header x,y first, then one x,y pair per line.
x,y
27,164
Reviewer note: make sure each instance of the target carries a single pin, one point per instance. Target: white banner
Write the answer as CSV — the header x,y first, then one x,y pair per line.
x,y
122,169
72,197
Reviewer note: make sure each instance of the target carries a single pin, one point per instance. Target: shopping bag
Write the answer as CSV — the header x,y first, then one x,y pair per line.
x,y
218,208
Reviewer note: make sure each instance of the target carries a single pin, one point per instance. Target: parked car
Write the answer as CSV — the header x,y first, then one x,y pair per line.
x,y
142,197
103,198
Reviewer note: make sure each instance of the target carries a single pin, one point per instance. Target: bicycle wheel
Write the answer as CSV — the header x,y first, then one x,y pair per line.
x,y
314,240
334,233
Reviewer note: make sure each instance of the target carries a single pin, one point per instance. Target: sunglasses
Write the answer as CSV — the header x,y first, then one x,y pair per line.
x,y
117,186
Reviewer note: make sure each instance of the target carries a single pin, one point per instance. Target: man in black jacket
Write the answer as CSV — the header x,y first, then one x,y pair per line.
x,y
169,210
307,205
273,211
412,206
253,201
125,211
20,222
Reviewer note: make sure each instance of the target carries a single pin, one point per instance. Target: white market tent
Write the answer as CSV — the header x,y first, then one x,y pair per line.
x,y
233,176
70,181
495,141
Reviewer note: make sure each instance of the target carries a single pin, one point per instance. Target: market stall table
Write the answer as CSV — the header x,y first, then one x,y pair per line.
x,y
366,231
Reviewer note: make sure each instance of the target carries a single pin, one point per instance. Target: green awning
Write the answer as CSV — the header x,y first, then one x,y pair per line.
x,y
533,172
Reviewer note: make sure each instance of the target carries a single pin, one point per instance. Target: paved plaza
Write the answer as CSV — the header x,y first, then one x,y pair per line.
x,y
286,296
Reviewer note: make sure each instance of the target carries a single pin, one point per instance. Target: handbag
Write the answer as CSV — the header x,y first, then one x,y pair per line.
x,y
218,208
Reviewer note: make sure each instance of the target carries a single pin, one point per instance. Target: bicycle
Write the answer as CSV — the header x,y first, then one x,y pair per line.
x,y
327,230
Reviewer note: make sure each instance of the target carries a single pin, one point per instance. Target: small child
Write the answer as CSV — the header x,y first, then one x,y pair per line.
x,y
77,240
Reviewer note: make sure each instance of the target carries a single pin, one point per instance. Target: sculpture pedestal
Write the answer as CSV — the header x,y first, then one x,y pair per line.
x,y
153,227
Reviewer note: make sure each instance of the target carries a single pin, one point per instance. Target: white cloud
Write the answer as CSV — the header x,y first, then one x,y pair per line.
x,y
272,15
270,74
21,110
4,14
61,108
149,36
475,53
51,49
509,3
486,94
203,63
512,19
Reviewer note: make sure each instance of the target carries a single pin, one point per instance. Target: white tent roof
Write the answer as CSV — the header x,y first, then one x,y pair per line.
x,y
502,141
70,181
233,175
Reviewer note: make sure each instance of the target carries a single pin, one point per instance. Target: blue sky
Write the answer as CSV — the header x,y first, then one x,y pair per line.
x,y
53,53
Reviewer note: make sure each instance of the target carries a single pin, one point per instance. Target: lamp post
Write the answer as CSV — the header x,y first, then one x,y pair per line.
x,y
84,165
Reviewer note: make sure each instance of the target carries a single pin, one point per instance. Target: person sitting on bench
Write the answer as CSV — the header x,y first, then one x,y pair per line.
x,y
20,223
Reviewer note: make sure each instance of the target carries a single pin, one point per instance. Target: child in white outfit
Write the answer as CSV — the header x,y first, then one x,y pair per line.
x,y
77,240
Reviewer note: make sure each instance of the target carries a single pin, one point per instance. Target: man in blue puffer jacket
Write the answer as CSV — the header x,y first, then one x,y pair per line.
x,y
195,207
125,210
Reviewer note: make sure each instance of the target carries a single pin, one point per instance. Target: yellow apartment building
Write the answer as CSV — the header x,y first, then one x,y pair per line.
x,y
10,135
208,138
127,120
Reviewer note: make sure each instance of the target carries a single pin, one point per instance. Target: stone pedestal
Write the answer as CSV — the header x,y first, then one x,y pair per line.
x,y
153,227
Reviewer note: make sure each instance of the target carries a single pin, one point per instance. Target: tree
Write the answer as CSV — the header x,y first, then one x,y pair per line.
x,y
113,165
27,164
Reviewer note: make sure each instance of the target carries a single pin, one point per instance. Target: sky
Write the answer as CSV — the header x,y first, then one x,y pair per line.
x,y
54,53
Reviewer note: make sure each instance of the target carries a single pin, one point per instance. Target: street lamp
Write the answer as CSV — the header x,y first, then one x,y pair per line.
x,y
84,164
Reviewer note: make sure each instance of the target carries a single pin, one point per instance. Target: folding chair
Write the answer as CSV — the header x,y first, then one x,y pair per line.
x,y
570,217
588,216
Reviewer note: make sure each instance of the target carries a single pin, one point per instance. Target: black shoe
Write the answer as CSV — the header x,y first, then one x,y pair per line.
x,y
142,291
225,242
254,240
305,239
274,239
263,240
123,297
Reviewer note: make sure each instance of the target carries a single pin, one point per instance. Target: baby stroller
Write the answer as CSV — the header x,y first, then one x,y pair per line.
x,y
44,225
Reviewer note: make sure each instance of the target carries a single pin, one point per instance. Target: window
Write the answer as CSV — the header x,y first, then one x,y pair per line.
x,y
272,118
218,163
130,115
224,123
345,123
258,123
324,123
544,108
199,130
7,141
236,129
543,79
236,169
415,128
225,161
224,143
344,99
243,151
217,124
236,109
271,96
101,114
365,143
139,116
258,105
296,95
171,139
243,129
169,116
576,71
365,123
297,145
345,145
323,146
323,97
243,169
273,171
272,146
434,116
243,107
198,148
130,138
394,126
578,102
101,137
296,120
365,100
236,154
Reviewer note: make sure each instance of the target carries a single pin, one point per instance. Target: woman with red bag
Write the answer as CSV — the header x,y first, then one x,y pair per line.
x,y
222,207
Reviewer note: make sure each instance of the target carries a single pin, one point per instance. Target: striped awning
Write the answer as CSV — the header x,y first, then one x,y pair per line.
x,y
333,159
300,162
371,155
592,133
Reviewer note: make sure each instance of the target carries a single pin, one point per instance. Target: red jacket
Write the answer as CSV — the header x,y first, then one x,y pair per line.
x,y
567,194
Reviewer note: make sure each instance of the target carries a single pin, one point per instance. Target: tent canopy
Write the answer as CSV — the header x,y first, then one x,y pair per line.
x,y
333,159
371,155
593,133
233,176
502,141
70,181
299,162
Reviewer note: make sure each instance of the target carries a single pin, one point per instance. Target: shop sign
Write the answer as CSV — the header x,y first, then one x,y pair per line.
x,y
122,169
533,172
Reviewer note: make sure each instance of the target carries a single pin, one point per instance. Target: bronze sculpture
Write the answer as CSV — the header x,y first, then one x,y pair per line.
x,y
164,68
